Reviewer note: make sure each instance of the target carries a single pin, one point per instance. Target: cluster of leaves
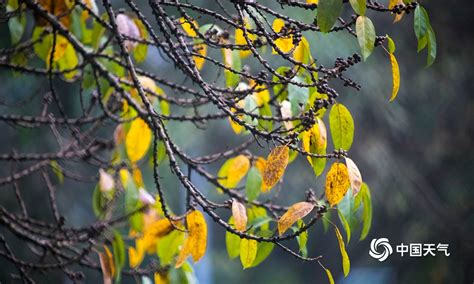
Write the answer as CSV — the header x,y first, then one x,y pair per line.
x,y
289,110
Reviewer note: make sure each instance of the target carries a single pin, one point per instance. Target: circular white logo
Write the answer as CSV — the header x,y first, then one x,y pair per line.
x,y
382,244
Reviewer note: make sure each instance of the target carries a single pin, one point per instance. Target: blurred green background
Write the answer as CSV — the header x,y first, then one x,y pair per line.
x,y
415,153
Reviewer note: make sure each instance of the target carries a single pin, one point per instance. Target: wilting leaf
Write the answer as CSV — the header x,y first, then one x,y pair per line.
x,y
127,27
294,213
328,273
337,183
106,181
240,215
328,12
341,125
248,252
275,166
355,177
346,265
315,142
366,35
137,140
196,241
107,265
285,110
395,76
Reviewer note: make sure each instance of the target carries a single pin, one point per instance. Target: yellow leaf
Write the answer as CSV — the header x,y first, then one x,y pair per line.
x,y
346,264
261,97
392,4
196,241
188,28
137,253
329,274
395,77
107,265
337,183
248,252
160,278
240,39
59,8
315,136
240,216
59,49
285,44
311,1
201,49
234,171
302,52
355,178
137,140
260,165
275,166
137,177
294,213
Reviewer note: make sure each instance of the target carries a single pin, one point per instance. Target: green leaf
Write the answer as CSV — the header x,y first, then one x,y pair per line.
x,y
232,79
422,43
328,12
326,219
431,47
281,90
344,222
57,170
421,22
132,203
232,242
267,125
297,95
341,125
140,52
118,247
264,249
248,252
391,45
302,239
257,217
346,264
358,6
366,35
168,246
16,26
253,185
367,211
98,202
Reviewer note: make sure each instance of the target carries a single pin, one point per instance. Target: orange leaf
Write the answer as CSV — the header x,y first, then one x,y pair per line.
x,y
294,213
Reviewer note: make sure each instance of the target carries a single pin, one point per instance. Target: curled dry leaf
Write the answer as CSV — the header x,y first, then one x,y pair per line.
x,y
127,27
294,213
355,178
240,216
275,166
106,181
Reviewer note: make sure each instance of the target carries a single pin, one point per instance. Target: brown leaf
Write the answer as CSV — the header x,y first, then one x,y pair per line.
x,y
275,166
355,177
240,216
294,213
